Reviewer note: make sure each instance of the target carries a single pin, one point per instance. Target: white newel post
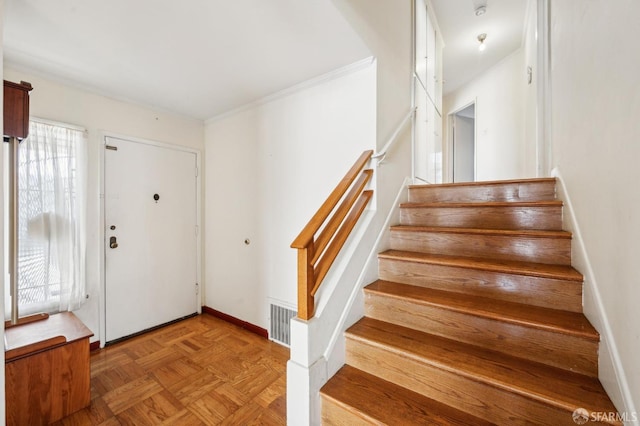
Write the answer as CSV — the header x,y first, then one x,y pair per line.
x,y
306,374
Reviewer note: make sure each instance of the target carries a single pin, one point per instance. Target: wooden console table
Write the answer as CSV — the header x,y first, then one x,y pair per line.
x,y
47,369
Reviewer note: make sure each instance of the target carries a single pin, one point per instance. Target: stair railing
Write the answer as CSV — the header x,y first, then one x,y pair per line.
x,y
333,226
409,117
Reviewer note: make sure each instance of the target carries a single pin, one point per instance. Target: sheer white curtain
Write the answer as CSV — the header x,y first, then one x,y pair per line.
x,y
52,211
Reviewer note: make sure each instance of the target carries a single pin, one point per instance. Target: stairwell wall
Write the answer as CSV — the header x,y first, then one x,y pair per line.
x,y
386,28
595,73
269,168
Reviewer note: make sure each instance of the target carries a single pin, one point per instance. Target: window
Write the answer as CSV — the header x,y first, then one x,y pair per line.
x,y
52,219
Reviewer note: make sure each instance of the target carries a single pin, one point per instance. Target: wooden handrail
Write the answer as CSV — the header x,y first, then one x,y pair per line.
x,y
315,256
327,207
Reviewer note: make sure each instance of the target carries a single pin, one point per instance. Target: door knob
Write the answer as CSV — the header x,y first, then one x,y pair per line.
x,y
113,243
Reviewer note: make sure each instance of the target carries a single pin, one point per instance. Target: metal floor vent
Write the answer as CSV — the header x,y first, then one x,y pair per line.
x,y
280,328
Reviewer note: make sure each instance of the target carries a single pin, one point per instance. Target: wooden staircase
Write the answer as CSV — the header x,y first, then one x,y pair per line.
x,y
476,318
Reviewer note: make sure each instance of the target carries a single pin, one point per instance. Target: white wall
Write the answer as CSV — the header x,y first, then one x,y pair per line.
x,y
499,97
269,168
96,113
595,77
385,27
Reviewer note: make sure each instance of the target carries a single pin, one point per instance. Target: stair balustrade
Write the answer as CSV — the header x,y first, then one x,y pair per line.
x,y
321,240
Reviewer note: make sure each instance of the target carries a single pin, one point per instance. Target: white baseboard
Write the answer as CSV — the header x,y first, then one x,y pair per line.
x,y
611,371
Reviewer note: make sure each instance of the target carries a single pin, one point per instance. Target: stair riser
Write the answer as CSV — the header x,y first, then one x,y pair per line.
x,y
467,394
545,346
509,217
355,397
529,191
521,248
544,292
334,413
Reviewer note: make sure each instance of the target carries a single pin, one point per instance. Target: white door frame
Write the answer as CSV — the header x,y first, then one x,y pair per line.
x,y
103,288
450,165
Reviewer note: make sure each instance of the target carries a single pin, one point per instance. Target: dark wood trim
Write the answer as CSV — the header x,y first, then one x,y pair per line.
x,y
147,330
35,336
236,321
94,346
26,320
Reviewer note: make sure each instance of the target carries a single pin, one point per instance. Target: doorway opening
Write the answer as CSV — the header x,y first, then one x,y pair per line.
x,y
509,80
463,143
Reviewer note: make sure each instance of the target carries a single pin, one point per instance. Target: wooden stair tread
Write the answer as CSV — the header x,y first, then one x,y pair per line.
x,y
556,387
569,323
531,233
382,401
507,204
561,272
485,183
478,192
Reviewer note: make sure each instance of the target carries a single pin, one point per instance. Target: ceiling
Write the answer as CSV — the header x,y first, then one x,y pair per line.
x,y
503,23
198,58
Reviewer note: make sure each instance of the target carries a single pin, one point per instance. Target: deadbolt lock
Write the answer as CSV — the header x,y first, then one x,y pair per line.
x,y
113,243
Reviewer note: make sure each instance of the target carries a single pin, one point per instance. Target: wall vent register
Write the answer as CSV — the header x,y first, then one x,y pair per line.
x,y
280,324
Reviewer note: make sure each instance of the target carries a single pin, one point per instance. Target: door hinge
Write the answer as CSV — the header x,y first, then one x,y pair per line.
x,y
111,147
197,230
197,289
196,172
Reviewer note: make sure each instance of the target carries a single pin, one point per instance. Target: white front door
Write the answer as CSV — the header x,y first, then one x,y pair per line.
x,y
150,236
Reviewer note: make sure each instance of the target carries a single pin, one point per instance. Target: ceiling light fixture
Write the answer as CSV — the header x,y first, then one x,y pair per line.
x,y
481,38
480,7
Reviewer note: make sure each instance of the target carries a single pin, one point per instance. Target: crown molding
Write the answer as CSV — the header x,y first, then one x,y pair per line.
x,y
316,81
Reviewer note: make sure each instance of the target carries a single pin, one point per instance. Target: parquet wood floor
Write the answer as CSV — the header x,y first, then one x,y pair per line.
x,y
200,371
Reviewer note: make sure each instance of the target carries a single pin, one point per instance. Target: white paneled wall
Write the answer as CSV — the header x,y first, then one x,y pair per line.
x,y
428,45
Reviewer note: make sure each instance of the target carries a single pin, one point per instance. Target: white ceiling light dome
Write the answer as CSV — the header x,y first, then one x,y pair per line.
x,y
480,7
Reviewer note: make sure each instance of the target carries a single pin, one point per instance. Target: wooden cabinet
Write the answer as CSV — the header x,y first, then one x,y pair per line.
x,y
47,370
16,109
